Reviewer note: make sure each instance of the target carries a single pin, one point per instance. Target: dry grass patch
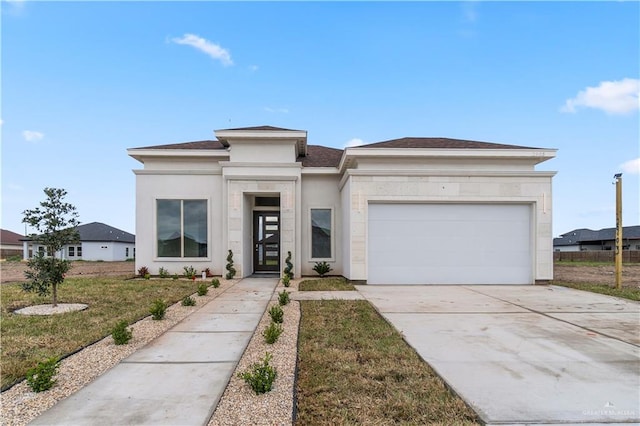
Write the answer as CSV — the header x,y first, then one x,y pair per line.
x,y
631,293
26,340
354,368
326,284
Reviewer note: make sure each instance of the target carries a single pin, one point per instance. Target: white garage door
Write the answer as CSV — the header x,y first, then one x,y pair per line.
x,y
449,244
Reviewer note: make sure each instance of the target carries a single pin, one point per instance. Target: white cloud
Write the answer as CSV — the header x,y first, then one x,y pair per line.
x,y
253,68
32,135
613,97
470,11
213,50
277,110
354,142
631,166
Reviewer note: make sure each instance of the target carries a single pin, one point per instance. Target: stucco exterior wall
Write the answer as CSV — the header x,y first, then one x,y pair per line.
x,y
107,251
321,191
179,185
528,187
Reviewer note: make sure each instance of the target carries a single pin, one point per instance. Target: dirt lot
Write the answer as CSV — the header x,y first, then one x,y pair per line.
x,y
14,271
604,274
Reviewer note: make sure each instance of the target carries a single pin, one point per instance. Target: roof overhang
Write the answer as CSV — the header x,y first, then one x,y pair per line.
x,y
141,153
535,155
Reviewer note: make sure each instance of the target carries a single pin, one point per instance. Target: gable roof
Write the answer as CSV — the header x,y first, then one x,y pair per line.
x,y
10,237
439,143
96,231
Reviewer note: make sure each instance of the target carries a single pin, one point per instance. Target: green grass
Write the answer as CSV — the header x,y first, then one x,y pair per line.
x,y
582,263
326,284
354,368
26,340
631,293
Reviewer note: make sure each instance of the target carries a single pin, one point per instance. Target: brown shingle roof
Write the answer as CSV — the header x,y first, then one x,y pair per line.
x,y
189,145
321,156
263,128
439,143
10,237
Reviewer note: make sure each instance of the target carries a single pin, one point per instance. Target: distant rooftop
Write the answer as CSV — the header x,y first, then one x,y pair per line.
x,y
583,235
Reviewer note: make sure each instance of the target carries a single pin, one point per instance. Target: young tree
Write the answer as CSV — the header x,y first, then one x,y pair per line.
x,y
55,222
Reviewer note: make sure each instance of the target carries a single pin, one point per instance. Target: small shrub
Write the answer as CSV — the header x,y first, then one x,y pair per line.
x,y
277,314
231,271
158,309
163,273
272,332
15,258
175,276
283,298
189,272
288,270
286,281
143,271
147,276
188,301
40,377
203,289
260,375
121,334
215,283
322,268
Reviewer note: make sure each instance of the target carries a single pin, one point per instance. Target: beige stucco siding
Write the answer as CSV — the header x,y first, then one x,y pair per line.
x,y
528,187
180,185
321,191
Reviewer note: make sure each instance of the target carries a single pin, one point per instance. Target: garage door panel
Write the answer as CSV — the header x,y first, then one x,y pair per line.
x,y
449,244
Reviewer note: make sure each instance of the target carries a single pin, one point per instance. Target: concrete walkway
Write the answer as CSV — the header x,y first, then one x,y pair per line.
x,y
525,354
178,378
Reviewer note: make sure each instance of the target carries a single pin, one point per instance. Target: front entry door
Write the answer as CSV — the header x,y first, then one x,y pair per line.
x,y
266,241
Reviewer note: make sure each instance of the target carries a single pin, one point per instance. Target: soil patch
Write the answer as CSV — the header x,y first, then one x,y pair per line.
x,y
601,274
11,272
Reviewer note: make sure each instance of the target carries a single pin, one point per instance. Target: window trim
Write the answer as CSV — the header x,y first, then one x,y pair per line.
x,y
333,235
207,258
71,251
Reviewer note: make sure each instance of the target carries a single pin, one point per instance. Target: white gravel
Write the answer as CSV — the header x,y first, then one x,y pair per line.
x,y
239,405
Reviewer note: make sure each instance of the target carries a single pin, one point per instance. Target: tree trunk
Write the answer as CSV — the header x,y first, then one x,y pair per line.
x,y
55,294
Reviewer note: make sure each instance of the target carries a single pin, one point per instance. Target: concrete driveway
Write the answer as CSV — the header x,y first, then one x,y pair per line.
x,y
525,354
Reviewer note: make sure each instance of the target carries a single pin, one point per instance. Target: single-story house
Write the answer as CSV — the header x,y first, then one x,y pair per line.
x,y
97,242
404,211
10,244
602,239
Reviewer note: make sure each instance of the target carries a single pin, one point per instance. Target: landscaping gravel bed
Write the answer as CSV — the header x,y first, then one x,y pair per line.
x,y
20,405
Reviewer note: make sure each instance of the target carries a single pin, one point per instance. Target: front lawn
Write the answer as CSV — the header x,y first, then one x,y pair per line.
x,y
355,368
326,284
26,340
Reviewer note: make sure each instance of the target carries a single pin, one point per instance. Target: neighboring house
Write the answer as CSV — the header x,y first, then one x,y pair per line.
x,y
603,239
97,242
403,211
10,244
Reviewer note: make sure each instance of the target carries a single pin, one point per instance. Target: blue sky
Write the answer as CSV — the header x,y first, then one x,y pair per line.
x,y
84,81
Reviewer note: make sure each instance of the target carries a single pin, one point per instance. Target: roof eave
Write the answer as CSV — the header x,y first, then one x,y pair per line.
x,y
140,153
537,154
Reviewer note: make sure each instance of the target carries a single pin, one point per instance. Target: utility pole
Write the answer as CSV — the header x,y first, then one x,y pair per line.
x,y
618,259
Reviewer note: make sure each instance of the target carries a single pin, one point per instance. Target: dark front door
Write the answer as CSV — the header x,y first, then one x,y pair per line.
x,y
266,241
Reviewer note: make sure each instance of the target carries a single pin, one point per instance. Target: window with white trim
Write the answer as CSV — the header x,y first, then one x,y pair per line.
x,y
321,233
72,251
182,228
